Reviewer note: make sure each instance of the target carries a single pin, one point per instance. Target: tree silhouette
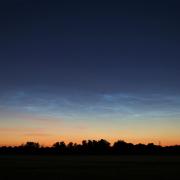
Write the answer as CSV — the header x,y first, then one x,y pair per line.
x,y
102,146
59,147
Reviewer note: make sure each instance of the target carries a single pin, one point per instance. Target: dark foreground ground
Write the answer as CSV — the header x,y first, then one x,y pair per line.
x,y
89,167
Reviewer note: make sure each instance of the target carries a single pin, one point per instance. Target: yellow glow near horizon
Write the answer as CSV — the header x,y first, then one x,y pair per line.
x,y
47,139
17,129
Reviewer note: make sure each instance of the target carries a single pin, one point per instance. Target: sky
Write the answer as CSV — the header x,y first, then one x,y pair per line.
x,y
73,70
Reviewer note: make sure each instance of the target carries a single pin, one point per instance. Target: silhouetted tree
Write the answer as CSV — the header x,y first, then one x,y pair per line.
x,y
118,147
31,147
91,147
103,146
70,148
59,147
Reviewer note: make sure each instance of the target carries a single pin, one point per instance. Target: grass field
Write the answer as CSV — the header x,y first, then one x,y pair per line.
x,y
89,167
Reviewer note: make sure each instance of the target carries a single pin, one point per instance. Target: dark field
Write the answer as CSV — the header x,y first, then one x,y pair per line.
x,y
89,167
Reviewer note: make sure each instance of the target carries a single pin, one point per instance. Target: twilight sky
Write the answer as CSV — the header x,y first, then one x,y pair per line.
x,y
73,70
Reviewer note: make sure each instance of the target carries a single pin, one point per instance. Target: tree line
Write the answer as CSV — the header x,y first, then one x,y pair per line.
x,y
92,147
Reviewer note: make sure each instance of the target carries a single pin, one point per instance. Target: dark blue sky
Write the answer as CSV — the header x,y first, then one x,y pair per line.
x,y
92,61
91,45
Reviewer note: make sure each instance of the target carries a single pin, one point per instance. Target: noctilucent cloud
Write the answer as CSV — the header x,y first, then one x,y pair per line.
x,y
74,70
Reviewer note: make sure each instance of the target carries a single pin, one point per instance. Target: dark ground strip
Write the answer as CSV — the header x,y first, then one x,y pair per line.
x,y
89,167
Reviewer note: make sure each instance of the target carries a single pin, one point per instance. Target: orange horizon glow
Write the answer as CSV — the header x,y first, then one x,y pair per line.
x,y
51,140
18,128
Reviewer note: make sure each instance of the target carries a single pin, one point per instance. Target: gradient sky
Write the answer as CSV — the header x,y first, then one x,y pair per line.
x,y
73,70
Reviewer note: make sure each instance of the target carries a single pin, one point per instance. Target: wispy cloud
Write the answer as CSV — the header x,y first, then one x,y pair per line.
x,y
56,107
37,134
19,130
